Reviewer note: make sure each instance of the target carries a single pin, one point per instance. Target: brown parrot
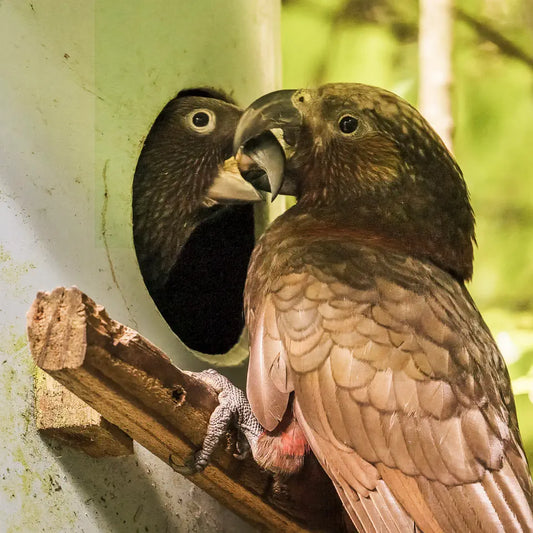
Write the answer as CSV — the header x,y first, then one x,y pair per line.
x,y
362,332
192,239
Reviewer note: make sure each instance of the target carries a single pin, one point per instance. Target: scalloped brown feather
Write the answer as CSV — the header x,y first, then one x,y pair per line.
x,y
399,386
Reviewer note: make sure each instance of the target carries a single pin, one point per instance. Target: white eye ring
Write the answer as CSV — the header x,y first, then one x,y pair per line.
x,y
201,120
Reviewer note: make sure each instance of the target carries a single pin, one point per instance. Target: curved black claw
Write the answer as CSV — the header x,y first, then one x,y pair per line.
x,y
194,464
243,448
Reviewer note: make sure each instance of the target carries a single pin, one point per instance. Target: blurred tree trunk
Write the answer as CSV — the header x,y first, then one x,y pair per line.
x,y
435,66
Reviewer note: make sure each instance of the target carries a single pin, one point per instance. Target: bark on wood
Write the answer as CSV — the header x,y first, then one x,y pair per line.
x,y
133,385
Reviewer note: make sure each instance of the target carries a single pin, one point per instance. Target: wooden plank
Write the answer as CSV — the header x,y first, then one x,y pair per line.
x,y
61,415
133,385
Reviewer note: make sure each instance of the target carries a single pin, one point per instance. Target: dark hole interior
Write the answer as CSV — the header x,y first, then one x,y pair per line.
x,y
202,299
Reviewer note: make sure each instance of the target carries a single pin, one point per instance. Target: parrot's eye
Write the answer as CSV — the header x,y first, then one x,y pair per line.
x,y
201,120
348,124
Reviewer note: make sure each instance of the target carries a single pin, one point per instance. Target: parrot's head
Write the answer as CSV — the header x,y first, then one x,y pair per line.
x,y
185,173
361,157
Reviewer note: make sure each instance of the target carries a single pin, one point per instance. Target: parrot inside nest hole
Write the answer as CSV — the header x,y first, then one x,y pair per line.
x,y
193,222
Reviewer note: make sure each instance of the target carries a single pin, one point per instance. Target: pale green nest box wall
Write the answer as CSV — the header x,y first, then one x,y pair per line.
x,y
81,85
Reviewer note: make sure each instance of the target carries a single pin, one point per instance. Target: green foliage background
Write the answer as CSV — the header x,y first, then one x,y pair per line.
x,y
375,42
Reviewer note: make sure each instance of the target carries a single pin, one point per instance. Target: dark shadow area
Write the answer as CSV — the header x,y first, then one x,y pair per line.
x,y
203,297
117,491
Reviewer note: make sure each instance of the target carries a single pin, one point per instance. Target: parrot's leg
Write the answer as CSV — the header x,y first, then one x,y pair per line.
x,y
234,409
281,451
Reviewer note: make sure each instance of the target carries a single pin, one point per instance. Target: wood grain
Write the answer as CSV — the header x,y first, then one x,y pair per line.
x,y
133,385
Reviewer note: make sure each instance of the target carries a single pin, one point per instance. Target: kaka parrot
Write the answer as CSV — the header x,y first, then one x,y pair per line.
x,y
362,332
192,245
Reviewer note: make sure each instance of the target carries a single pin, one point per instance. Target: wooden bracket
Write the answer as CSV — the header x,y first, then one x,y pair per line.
x,y
60,414
133,385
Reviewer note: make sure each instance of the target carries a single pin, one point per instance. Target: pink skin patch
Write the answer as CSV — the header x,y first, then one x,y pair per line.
x,y
284,449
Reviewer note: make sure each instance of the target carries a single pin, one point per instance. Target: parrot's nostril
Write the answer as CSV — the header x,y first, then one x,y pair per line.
x,y
302,96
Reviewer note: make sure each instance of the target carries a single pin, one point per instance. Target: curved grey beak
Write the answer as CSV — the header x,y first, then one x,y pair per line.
x,y
261,162
257,147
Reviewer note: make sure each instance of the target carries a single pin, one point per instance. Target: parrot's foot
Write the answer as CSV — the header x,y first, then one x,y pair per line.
x,y
233,408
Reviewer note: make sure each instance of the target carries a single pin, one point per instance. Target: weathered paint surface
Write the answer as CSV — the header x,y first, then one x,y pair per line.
x,y
81,84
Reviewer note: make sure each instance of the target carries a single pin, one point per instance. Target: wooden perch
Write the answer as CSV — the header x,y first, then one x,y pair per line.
x,y
133,385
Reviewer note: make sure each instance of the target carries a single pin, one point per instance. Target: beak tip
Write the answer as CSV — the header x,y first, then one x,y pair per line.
x,y
254,141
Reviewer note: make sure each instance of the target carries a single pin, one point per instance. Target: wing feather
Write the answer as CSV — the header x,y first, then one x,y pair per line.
x,y
269,382
399,388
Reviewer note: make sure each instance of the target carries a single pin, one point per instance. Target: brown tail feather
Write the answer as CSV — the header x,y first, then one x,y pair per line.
x,y
495,504
377,510
500,505
510,493
406,491
501,501
360,519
